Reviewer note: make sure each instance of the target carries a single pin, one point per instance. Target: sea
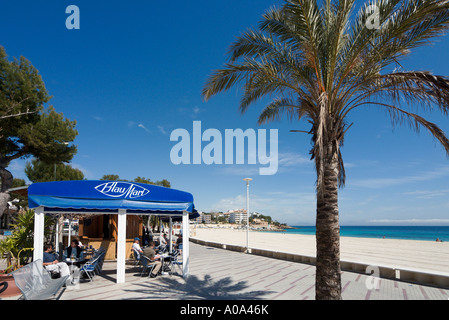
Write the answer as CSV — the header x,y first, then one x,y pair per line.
x,y
426,233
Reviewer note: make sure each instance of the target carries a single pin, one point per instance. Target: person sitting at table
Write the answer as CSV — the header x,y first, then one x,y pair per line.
x,y
163,244
74,251
179,242
52,264
136,247
167,242
154,258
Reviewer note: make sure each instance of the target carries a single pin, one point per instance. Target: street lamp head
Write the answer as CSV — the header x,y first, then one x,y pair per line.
x,y
247,179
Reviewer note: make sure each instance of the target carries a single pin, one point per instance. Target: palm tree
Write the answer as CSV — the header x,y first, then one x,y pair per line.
x,y
319,63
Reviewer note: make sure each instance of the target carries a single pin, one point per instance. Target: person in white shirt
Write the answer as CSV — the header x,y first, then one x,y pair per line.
x,y
53,265
163,239
137,248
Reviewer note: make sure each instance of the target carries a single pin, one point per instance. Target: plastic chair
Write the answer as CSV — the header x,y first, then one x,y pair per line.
x,y
175,262
90,267
35,283
136,257
147,264
99,266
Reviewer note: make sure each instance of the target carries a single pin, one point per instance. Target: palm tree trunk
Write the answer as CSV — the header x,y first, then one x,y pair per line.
x,y
328,270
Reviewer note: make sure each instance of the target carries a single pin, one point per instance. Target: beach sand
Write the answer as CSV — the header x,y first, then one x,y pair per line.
x,y
405,254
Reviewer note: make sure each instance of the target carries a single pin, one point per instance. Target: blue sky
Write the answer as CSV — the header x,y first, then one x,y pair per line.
x,y
134,72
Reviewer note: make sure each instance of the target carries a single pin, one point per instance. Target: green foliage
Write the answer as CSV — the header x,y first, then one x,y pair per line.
x,y
48,138
18,183
22,92
26,128
21,240
111,177
115,177
265,218
39,171
163,183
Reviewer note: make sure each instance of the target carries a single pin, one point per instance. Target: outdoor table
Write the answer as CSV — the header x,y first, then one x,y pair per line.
x,y
74,266
165,259
77,262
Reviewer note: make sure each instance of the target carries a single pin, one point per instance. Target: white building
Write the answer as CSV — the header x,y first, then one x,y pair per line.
x,y
238,216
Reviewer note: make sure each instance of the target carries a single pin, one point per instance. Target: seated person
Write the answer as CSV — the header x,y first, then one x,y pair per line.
x,y
136,247
154,258
179,242
52,264
163,239
167,241
74,251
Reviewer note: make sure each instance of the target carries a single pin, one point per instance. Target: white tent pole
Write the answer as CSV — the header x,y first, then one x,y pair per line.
x,y
185,244
70,232
56,248
121,245
170,236
160,230
39,218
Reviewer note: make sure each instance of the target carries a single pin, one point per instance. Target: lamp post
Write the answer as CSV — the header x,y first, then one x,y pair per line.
x,y
247,213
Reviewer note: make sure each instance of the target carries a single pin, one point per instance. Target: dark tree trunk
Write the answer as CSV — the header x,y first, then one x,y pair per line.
x,y
7,178
328,270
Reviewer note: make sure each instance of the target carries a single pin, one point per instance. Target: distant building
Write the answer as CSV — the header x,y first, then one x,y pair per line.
x,y
260,223
206,218
238,216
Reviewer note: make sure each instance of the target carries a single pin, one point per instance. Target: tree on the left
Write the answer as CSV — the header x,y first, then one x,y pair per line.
x,y
27,127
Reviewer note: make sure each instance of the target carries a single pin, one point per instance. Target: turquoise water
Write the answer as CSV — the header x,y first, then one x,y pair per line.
x,y
427,233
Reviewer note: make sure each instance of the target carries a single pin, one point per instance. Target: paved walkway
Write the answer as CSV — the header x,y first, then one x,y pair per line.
x,y
221,274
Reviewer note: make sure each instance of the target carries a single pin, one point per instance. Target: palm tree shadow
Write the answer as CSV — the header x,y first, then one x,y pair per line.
x,y
194,288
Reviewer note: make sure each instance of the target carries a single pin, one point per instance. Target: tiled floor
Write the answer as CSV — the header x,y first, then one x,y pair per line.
x,y
221,274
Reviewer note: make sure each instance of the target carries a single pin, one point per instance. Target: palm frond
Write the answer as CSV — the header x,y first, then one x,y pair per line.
x,y
321,62
405,25
283,106
415,121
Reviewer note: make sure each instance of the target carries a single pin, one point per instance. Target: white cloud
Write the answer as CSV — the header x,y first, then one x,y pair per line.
x,y
17,169
428,194
143,127
290,159
162,130
196,110
240,169
16,166
193,112
387,182
292,208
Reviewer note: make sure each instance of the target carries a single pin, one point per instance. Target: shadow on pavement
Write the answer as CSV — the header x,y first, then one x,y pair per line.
x,y
194,288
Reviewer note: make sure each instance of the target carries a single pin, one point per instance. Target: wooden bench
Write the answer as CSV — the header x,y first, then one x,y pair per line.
x,y
35,282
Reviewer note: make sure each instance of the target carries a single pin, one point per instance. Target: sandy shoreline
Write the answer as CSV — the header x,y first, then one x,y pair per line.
x,y
407,254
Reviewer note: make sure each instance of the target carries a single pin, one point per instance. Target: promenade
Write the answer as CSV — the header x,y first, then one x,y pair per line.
x,y
222,274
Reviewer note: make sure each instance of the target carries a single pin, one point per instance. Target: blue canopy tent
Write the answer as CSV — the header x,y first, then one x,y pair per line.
x,y
106,197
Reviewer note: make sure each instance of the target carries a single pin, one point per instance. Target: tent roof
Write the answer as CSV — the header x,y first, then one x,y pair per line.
x,y
109,196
